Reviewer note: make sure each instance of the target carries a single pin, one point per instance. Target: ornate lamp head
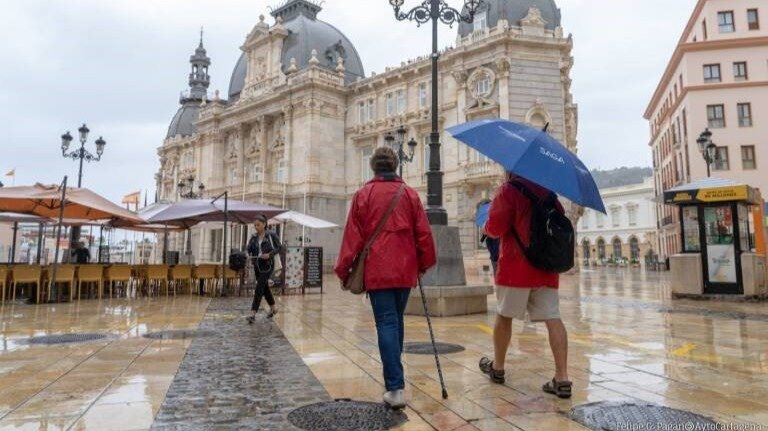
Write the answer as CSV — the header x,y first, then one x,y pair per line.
x,y
66,139
100,143
412,147
712,151
83,133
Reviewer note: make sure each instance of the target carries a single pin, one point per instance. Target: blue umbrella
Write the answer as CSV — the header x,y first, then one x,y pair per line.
x,y
532,154
482,215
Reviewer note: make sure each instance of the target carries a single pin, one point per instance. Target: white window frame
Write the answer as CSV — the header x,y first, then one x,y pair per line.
x,y
391,104
281,173
366,173
483,86
401,101
371,109
423,95
255,173
480,21
361,112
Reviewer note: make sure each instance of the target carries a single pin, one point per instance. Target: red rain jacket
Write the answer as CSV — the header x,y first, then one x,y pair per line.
x,y
403,249
510,209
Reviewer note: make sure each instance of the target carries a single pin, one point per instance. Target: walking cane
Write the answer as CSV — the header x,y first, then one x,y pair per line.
x,y
432,337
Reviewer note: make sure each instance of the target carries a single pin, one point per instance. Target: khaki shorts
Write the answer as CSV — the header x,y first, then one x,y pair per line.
x,y
542,303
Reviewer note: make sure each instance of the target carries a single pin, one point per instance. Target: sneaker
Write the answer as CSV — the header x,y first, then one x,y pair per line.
x,y
271,313
486,366
395,399
251,319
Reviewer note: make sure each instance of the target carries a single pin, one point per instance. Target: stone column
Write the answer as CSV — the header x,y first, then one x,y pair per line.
x,y
263,142
503,67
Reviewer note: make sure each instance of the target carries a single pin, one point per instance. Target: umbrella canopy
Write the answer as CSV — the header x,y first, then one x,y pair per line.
x,y
188,213
482,215
22,218
532,154
45,201
304,220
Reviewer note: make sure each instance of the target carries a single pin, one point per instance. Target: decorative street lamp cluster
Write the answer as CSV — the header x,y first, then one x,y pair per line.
x,y
81,153
187,189
398,143
435,10
707,148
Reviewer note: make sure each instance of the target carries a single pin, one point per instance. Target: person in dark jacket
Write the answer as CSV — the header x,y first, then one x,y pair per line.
x,y
81,254
403,251
263,246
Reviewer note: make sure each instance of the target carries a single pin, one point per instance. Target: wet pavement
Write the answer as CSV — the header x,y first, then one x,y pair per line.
x,y
629,343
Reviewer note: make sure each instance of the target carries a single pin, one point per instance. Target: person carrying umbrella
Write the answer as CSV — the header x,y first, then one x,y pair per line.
x,y
537,240
263,246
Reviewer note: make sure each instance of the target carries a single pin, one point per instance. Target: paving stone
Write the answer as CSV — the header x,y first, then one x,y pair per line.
x,y
243,377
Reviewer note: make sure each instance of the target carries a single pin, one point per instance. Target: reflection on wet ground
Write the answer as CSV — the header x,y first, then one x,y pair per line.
x,y
628,341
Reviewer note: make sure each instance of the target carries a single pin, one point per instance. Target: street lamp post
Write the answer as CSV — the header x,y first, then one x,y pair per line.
x,y
80,154
435,10
707,148
398,143
187,191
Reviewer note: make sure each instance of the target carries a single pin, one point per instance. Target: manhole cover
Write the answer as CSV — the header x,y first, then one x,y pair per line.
x,y
425,348
344,415
177,334
617,416
65,338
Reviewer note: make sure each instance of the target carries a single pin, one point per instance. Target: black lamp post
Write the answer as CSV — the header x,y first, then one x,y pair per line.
x,y
80,154
187,189
707,148
435,10
398,143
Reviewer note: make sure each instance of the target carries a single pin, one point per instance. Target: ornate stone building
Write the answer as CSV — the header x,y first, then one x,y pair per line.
x,y
301,118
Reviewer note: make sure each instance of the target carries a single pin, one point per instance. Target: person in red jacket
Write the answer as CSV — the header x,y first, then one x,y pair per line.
x,y
403,251
520,286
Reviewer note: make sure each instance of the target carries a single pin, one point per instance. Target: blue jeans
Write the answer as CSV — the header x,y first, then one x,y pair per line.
x,y
388,309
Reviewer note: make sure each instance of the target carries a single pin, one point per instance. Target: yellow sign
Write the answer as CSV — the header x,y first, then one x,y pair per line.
x,y
736,193
682,197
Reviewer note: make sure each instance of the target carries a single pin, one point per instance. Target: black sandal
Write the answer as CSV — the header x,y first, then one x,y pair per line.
x,y
486,366
561,389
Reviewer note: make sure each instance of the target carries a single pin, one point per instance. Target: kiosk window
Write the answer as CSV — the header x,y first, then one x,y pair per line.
x,y
692,243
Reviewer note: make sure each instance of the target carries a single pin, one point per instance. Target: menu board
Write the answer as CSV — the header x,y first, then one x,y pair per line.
x,y
294,267
721,251
313,267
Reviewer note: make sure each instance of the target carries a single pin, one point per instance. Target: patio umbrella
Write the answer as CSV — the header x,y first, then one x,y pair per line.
x,y
304,220
61,202
46,201
533,154
188,213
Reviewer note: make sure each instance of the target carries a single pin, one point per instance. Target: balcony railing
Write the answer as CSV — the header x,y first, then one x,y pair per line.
x,y
481,170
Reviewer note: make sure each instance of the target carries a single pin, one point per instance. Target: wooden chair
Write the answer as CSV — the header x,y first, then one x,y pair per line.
x,y
180,274
205,274
65,274
31,274
90,274
230,277
117,274
4,275
157,275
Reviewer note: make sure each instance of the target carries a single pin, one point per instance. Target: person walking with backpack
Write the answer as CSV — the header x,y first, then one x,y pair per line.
x,y
388,214
535,241
263,246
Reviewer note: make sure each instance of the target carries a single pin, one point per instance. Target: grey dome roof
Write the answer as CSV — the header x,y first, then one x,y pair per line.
x,y
514,11
306,33
183,122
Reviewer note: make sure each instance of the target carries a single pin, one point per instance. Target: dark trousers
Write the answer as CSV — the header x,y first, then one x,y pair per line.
x,y
262,291
388,309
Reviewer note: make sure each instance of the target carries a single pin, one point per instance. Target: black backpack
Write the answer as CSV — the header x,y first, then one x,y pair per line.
x,y
553,241
238,260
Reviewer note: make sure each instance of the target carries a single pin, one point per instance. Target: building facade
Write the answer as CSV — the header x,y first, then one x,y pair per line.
x,y
301,118
717,79
627,234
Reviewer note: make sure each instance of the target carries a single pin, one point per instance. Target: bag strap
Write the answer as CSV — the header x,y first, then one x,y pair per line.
x,y
386,217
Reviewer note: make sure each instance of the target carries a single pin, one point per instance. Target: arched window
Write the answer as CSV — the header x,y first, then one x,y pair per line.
x,y
617,248
634,248
585,249
601,248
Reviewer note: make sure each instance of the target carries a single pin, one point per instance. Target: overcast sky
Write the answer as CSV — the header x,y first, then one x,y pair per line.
x,y
119,66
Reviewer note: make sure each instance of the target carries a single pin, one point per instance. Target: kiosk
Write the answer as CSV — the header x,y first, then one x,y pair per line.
x,y
723,239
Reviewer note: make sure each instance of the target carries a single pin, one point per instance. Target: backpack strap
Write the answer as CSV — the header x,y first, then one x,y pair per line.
x,y
535,200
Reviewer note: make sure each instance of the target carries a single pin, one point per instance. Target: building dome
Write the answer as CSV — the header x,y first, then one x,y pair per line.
x,y
513,11
305,34
183,122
